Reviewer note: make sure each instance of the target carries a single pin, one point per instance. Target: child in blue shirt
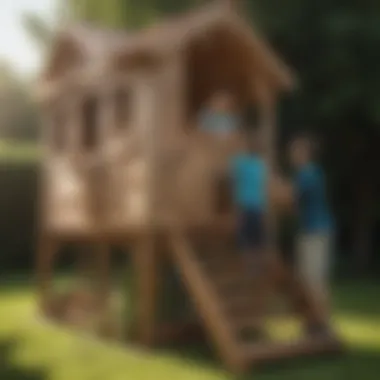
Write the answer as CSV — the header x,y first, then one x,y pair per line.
x,y
219,118
249,183
314,217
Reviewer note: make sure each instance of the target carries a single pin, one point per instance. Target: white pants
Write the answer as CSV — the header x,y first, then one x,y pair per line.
x,y
313,261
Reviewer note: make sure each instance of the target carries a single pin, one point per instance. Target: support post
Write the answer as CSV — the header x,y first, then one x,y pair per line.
x,y
46,253
107,117
172,122
85,266
266,104
266,101
46,246
145,260
74,123
103,256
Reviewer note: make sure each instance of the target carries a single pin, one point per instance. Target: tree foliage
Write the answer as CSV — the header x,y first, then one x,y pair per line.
x,y
18,114
38,29
332,45
125,13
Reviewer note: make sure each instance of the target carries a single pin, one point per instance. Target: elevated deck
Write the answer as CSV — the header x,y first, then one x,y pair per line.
x,y
111,234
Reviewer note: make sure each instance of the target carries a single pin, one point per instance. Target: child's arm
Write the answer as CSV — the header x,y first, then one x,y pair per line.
x,y
281,191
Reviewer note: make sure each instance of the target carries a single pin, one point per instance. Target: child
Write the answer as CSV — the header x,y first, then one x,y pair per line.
x,y
315,223
249,182
219,118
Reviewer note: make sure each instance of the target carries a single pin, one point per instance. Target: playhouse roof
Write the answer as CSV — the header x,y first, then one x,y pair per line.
x,y
92,49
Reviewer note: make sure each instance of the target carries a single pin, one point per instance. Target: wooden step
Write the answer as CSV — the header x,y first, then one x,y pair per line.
x,y
236,311
236,316
232,290
238,301
224,265
208,303
219,258
270,351
244,322
234,276
232,303
231,281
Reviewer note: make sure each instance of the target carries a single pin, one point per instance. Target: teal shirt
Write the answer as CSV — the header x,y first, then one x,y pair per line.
x,y
218,123
249,178
314,213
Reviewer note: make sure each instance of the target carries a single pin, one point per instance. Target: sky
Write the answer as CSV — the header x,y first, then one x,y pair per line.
x,y
16,47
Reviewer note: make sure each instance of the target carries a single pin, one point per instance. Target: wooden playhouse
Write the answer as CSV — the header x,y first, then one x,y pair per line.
x,y
125,164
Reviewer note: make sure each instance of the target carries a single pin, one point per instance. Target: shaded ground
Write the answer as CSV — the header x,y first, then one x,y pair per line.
x,y
32,350
8,371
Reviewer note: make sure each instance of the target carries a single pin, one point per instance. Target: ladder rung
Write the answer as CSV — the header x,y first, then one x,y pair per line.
x,y
231,279
235,282
246,322
244,302
221,261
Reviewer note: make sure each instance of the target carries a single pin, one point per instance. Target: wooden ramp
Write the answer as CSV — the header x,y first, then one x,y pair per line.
x,y
229,301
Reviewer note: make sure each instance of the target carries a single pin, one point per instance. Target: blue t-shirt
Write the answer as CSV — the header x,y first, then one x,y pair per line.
x,y
314,213
217,122
249,178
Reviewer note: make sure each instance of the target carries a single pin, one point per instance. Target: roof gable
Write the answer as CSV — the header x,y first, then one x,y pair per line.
x,y
82,45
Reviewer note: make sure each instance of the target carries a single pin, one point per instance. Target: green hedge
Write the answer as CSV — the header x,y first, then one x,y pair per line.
x,y
18,206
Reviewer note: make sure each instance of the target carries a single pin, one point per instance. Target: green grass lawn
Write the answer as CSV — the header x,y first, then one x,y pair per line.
x,y
33,350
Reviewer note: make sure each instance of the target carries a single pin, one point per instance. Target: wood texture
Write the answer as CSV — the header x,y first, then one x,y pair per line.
x,y
207,302
260,353
135,168
46,253
96,52
103,284
146,266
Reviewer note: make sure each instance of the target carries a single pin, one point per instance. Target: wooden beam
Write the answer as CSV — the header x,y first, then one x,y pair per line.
x,y
85,269
170,120
74,121
146,115
266,103
107,120
271,69
145,264
46,253
104,276
259,353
